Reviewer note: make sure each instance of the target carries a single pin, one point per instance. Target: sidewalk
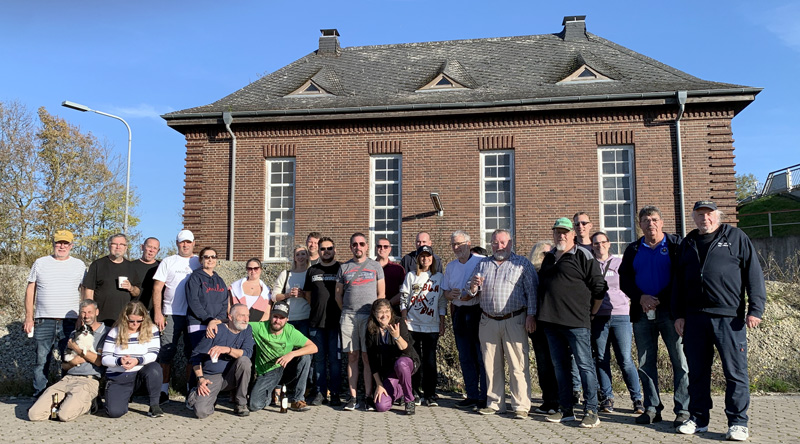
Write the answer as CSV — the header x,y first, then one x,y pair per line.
x,y
771,420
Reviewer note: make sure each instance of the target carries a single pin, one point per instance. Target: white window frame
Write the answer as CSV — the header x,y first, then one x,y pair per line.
x,y
620,245
374,235
485,231
268,233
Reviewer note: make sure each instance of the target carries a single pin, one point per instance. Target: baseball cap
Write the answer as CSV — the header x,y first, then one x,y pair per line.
x,y
63,236
185,235
704,204
564,223
425,249
281,308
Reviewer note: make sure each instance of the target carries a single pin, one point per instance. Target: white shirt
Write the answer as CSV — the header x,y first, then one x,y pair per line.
x,y
456,276
174,271
57,286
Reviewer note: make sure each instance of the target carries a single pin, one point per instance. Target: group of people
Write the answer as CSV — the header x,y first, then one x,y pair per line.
x,y
570,297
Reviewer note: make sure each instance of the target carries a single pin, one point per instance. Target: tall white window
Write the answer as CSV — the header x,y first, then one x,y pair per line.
x,y
497,193
385,201
617,210
280,208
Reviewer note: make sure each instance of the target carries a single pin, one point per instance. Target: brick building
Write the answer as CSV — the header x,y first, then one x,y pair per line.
x,y
510,132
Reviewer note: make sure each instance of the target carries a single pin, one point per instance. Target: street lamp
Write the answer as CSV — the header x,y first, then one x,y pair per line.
x,y
84,108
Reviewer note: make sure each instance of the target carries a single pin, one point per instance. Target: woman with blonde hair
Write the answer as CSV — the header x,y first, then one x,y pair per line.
x,y
289,287
536,255
129,355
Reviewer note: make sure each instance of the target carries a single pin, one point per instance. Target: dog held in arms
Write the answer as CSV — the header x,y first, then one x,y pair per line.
x,y
84,338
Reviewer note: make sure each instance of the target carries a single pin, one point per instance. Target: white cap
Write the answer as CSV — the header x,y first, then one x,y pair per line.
x,y
185,235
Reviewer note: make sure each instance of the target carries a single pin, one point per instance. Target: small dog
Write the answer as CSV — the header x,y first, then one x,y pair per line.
x,y
84,337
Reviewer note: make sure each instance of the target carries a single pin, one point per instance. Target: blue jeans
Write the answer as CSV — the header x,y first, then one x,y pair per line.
x,y
466,320
294,376
328,354
618,328
646,332
729,336
561,339
48,332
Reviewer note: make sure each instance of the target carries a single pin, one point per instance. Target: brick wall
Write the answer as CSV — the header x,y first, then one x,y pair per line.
x,y
555,171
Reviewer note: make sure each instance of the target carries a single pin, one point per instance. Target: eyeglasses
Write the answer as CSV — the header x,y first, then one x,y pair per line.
x,y
457,244
381,247
358,244
253,268
597,244
583,222
205,256
119,245
135,321
325,248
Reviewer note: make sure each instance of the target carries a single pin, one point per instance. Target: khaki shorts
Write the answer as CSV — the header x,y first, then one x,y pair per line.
x,y
354,332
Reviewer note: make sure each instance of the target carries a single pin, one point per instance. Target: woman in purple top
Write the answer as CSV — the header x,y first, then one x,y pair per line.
x,y
613,322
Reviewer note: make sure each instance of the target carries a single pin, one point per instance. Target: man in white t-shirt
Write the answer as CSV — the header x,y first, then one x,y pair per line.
x,y
466,313
51,303
169,308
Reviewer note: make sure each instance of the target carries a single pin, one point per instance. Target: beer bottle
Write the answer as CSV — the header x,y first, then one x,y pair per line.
x,y
54,407
284,400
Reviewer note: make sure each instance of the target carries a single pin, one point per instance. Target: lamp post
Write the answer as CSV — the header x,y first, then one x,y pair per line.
x,y
84,108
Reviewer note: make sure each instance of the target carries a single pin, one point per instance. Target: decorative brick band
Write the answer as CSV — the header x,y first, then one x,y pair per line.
x,y
384,147
495,143
279,150
614,137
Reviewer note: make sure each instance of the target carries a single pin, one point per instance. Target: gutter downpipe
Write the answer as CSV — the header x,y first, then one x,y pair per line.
x,y
227,118
681,96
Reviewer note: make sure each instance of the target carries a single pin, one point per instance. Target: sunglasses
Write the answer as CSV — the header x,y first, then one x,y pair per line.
x,y
253,268
583,222
325,248
381,247
205,256
358,244
132,321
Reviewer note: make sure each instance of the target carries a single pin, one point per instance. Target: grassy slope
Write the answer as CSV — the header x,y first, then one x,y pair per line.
x,y
770,203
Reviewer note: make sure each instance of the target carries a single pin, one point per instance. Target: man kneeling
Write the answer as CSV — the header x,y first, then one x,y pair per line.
x,y
222,363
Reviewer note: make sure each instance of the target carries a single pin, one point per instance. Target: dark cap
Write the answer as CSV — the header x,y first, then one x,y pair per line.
x,y
704,204
425,249
281,308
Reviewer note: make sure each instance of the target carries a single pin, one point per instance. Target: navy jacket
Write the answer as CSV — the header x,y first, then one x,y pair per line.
x,y
718,285
207,297
627,276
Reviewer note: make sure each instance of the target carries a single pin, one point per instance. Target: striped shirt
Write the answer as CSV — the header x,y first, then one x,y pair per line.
x,y
57,286
507,286
145,353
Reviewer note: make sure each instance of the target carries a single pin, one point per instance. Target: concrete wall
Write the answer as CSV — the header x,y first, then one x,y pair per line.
x,y
781,248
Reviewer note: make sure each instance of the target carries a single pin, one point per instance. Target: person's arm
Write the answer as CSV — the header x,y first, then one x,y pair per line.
x,y
202,382
153,346
194,291
381,288
308,349
30,301
339,294
158,314
280,286
88,293
108,359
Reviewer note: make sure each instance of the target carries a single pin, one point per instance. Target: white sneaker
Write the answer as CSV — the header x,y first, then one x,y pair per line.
x,y
690,427
737,433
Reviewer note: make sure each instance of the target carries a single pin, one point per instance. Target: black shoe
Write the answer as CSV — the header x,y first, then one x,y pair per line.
x,y
607,405
369,404
649,417
410,408
680,419
318,399
155,411
467,404
242,410
163,399
433,401
546,409
335,401
351,405
638,407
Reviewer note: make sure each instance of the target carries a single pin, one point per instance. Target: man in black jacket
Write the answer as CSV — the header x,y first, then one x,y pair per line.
x,y
645,276
717,265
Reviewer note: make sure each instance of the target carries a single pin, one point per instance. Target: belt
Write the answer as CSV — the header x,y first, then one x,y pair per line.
x,y
505,316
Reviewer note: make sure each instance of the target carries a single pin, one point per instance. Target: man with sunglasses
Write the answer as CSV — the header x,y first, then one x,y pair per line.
x,y
583,230
359,283
112,280
324,321
392,272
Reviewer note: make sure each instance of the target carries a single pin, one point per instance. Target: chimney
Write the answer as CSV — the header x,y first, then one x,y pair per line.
x,y
329,43
574,28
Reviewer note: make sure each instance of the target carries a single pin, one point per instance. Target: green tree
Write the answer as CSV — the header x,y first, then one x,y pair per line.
x,y
746,185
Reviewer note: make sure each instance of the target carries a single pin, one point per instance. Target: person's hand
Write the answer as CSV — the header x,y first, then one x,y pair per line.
x,y
284,360
679,325
159,320
379,391
126,285
219,350
530,324
452,295
441,327
74,347
202,386
128,363
648,302
394,330
27,326
294,292
211,330
752,321
475,283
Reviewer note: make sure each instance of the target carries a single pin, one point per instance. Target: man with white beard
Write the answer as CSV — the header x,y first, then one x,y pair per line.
x,y
505,285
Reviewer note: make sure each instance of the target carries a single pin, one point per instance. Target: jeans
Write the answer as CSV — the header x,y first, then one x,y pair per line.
x,y
302,325
424,381
646,332
729,336
561,339
618,328
466,320
48,332
120,388
544,368
397,384
294,376
328,355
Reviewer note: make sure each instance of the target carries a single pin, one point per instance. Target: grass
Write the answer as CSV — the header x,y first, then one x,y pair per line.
x,y
771,385
773,202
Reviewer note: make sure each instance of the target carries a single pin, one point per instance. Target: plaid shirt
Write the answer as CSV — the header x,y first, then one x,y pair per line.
x,y
508,286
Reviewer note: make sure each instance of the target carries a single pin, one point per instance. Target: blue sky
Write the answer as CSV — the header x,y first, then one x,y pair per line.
x,y
141,59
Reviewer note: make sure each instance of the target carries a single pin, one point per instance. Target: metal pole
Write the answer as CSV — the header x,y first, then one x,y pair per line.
x,y
128,170
769,222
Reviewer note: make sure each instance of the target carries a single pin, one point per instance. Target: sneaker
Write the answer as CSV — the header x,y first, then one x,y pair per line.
x,y
520,414
432,402
410,408
299,406
191,398
689,427
737,433
155,411
163,399
417,400
351,405
590,420
545,409
560,416
467,404
486,411
335,401
369,405
680,418
607,405
317,400
649,417
638,407
242,410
